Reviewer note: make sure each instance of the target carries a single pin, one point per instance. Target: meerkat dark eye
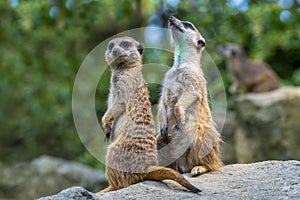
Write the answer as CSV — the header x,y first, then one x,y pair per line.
x,y
140,49
125,44
110,46
201,43
188,25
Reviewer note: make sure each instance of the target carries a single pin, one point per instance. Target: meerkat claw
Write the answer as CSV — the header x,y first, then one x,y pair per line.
x,y
164,130
107,135
164,133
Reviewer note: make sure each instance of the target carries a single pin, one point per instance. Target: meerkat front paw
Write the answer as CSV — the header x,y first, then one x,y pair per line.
x,y
198,170
179,115
107,128
164,133
107,134
164,130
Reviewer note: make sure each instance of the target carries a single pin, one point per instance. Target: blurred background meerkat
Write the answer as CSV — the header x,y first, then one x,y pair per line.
x,y
248,75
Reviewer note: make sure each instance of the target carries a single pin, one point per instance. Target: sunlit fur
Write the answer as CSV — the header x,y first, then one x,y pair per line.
x,y
132,155
188,141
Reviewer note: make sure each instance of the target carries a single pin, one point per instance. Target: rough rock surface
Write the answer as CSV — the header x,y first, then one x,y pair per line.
x,y
45,176
228,153
268,126
263,180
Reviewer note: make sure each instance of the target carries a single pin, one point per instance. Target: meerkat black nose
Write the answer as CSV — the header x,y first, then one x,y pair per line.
x,y
116,52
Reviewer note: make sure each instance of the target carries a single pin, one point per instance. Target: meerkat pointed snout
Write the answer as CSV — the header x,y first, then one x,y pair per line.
x,y
231,51
185,34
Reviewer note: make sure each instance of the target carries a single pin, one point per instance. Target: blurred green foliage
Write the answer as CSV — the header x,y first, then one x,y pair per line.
x,y
43,43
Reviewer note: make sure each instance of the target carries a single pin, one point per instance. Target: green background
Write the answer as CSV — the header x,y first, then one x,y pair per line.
x,y
43,43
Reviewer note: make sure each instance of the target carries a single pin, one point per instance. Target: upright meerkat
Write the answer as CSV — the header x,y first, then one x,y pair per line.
x,y
132,156
188,140
249,76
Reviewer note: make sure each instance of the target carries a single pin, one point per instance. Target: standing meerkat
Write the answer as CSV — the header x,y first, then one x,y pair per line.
x,y
188,140
132,156
248,75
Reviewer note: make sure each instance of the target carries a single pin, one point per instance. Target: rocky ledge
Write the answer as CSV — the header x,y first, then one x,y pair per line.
x,y
262,180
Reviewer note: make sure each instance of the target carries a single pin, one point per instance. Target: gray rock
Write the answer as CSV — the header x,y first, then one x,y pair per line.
x,y
263,180
45,176
228,154
79,173
75,192
268,126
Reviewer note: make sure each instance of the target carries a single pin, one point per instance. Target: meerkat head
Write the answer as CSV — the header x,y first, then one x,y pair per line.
x,y
185,36
231,51
124,52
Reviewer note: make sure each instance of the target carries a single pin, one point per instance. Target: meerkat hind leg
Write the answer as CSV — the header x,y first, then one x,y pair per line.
x,y
198,170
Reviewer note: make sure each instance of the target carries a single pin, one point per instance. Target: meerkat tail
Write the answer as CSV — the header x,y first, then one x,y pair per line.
x,y
108,189
161,173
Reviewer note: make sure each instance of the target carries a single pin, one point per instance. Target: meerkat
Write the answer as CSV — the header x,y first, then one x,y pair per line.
x,y
132,156
188,140
248,75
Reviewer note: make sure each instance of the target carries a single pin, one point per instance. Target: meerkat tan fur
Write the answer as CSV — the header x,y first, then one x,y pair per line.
x,y
132,156
248,75
188,140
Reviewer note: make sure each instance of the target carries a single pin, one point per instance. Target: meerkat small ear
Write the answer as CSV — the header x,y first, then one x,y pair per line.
x,y
200,43
140,49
